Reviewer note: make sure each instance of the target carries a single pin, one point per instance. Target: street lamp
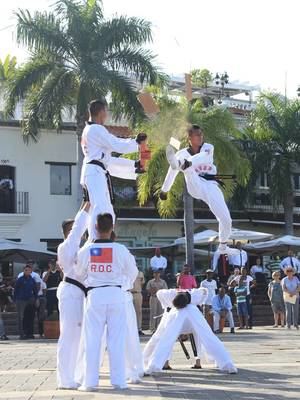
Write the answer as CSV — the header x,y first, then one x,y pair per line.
x,y
221,81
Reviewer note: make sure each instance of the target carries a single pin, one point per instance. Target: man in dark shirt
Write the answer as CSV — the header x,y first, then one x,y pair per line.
x,y
52,278
26,297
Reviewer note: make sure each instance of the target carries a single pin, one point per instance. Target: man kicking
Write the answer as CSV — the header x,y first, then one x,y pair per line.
x,y
196,163
184,318
71,295
97,145
104,265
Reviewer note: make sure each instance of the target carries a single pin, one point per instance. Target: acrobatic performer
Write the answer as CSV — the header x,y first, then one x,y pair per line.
x,y
196,163
97,145
71,295
184,318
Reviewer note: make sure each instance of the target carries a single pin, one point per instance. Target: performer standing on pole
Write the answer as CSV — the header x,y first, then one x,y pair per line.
x,y
97,145
196,163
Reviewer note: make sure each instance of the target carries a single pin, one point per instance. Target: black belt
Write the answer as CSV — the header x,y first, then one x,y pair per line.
x,y
209,177
97,287
76,283
108,179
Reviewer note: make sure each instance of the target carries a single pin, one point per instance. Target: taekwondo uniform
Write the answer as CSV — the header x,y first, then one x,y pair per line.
x,y
201,188
71,295
186,320
97,145
105,265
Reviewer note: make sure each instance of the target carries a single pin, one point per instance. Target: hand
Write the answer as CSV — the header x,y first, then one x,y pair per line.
x,y
163,195
85,194
141,137
87,206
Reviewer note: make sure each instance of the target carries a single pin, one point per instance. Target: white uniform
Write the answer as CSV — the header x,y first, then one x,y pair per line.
x,y
200,188
177,322
98,144
157,263
70,303
105,265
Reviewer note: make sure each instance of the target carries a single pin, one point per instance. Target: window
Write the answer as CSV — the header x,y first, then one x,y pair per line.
x,y
296,178
60,179
263,180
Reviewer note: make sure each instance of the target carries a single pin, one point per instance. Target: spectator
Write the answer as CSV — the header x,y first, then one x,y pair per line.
x,y
232,283
138,299
275,294
249,283
291,285
152,287
242,311
37,278
2,329
185,279
236,273
239,260
6,291
221,305
274,264
52,278
26,299
158,262
211,285
41,309
221,267
290,261
258,267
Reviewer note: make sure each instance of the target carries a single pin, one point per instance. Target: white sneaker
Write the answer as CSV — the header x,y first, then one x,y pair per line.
x,y
224,249
120,387
172,160
87,389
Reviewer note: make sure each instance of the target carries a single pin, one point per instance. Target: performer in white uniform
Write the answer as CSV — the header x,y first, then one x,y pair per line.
x,y
186,318
71,295
105,265
196,163
97,145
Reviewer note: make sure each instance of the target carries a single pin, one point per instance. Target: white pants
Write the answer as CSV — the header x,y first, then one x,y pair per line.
x,y
97,316
228,317
212,195
134,355
96,183
158,349
70,303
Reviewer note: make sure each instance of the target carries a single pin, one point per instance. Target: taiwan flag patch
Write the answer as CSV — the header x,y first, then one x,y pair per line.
x,y
101,255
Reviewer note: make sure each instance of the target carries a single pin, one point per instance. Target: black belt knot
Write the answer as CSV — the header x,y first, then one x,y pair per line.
x,y
76,283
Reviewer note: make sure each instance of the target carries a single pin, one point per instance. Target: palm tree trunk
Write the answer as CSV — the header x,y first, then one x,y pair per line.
x,y
80,124
288,206
188,202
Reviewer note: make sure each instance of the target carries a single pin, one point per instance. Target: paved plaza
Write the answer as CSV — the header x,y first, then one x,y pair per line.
x,y
268,362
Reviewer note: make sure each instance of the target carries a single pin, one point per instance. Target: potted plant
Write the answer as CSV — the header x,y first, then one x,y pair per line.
x,y
51,326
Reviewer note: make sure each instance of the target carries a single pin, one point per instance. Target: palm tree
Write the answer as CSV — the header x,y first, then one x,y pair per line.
x,y
218,125
77,55
273,144
7,68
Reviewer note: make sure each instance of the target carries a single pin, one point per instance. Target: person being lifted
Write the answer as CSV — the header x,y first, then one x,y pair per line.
x,y
197,164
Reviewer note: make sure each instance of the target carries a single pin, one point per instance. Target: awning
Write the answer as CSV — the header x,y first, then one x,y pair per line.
x,y
11,251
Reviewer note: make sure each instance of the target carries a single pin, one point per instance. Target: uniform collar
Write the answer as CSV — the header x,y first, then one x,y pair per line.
x,y
191,152
102,241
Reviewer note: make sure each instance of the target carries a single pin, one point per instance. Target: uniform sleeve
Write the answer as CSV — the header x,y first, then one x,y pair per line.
x,y
67,252
104,138
122,168
130,268
82,264
215,260
166,297
169,179
199,296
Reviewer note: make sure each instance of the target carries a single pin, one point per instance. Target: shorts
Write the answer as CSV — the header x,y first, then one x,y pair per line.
x,y
242,309
278,307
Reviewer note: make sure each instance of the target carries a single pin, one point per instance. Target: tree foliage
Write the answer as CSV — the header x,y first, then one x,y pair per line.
x,y
76,54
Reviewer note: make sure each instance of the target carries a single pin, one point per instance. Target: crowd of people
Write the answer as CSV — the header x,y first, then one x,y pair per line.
x,y
35,293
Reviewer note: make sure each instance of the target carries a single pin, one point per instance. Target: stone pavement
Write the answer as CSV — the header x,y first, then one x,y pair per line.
x,y
268,361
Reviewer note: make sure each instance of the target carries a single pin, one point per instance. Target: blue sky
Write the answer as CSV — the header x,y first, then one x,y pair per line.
x,y
255,41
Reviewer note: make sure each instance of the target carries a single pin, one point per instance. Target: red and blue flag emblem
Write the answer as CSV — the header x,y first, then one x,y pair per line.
x,y
101,255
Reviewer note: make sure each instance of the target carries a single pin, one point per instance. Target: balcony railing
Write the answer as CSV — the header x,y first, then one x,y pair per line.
x,y
12,202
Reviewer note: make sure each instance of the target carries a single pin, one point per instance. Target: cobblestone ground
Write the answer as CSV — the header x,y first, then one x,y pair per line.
x,y
268,361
